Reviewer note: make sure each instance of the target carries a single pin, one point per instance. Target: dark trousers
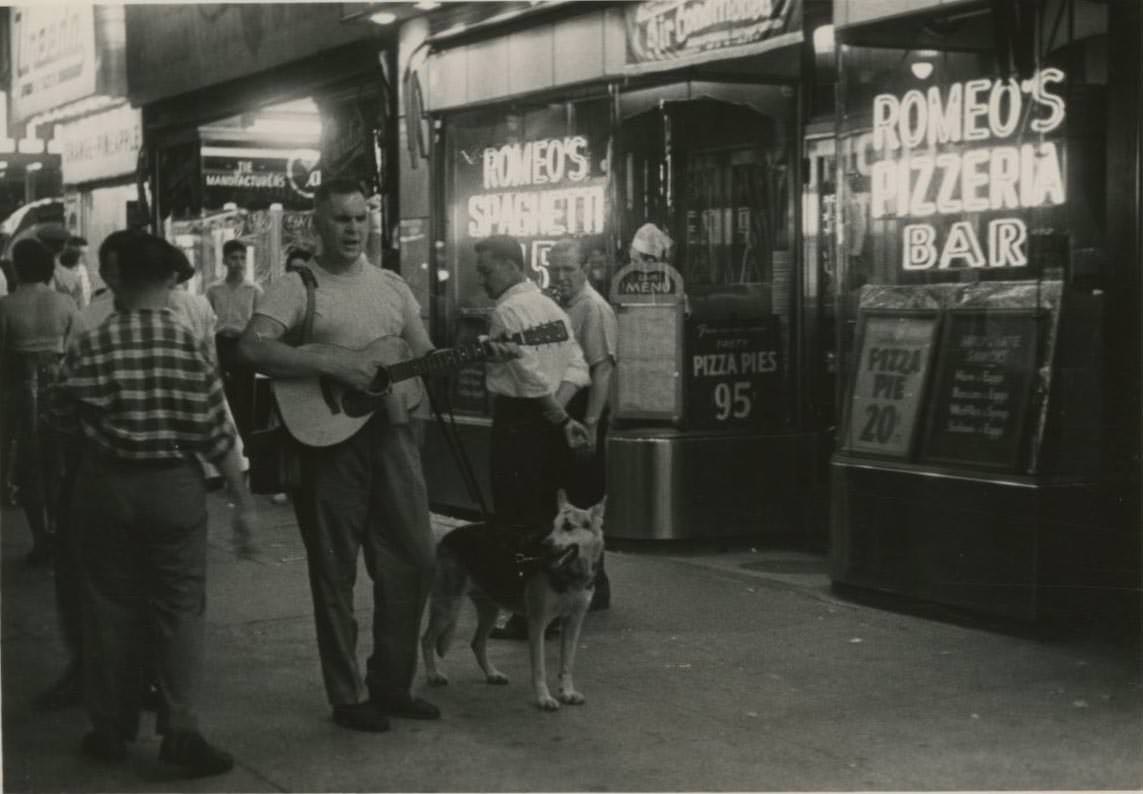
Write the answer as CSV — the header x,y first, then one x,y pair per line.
x,y
69,597
238,383
527,465
140,538
587,481
367,493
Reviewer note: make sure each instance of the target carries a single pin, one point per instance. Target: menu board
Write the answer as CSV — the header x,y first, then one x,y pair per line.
x,y
648,382
734,373
983,387
895,351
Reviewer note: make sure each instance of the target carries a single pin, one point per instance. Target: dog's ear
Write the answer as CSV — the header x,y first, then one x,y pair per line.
x,y
562,499
597,510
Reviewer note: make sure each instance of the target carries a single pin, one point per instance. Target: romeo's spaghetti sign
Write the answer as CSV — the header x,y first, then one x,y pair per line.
x,y
976,148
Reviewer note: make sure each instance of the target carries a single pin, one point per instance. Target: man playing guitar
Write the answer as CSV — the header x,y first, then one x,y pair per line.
x,y
368,491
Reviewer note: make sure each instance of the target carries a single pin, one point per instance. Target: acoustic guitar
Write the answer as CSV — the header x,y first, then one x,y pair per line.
x,y
321,412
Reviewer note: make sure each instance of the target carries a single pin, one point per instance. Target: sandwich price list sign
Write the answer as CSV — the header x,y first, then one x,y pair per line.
x,y
895,354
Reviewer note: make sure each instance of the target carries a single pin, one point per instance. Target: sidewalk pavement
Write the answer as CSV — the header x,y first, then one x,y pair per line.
x,y
735,670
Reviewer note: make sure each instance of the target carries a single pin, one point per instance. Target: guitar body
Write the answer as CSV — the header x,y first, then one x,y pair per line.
x,y
320,412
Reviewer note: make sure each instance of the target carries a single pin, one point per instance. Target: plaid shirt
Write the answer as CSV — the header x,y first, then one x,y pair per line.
x,y
141,387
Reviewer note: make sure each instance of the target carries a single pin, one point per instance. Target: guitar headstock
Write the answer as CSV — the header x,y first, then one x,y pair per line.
x,y
555,331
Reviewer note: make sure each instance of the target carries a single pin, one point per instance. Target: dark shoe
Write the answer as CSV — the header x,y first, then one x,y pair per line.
x,y
407,707
517,629
360,717
152,699
63,694
103,747
192,752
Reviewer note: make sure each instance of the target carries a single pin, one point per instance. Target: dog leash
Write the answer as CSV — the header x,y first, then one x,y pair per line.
x,y
456,447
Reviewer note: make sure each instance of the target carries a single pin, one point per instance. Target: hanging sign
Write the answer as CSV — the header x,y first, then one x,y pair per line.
x,y
53,57
101,146
255,178
972,148
672,30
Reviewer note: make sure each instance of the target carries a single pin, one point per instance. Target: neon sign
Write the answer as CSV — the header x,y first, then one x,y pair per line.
x,y
573,210
916,180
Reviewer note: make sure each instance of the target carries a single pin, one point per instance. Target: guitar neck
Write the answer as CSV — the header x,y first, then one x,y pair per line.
x,y
437,361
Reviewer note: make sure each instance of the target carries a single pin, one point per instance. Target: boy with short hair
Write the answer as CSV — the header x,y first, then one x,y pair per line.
x,y
143,392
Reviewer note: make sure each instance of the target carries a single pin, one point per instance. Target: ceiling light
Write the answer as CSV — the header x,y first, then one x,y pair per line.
x,y
921,69
34,166
383,18
427,5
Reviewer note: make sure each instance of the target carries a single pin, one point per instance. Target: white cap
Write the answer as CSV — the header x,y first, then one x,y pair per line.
x,y
652,241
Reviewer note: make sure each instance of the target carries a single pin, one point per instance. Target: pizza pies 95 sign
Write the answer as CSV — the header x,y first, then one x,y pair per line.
x,y
734,373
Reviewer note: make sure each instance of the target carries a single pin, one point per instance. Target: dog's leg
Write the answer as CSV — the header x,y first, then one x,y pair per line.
x,y
449,584
537,602
570,626
486,612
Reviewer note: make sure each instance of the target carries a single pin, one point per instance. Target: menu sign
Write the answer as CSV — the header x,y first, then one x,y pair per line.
x,y
648,382
734,371
983,388
895,352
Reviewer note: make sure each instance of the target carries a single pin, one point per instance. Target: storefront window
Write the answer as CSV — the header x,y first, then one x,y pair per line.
x,y
536,172
971,200
710,164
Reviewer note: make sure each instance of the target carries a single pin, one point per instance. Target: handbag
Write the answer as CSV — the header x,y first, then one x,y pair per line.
x,y
275,456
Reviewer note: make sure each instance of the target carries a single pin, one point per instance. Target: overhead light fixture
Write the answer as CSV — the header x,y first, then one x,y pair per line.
x,y
34,167
427,5
921,69
824,42
383,18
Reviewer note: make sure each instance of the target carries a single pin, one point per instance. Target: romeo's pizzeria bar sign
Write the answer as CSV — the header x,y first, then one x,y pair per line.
x,y
975,148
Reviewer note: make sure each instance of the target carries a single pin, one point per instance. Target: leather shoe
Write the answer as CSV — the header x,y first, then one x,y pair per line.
x,y
192,752
104,747
360,717
406,706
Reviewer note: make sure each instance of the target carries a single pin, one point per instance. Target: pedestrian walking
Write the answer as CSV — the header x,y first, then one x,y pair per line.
x,y
367,493
141,392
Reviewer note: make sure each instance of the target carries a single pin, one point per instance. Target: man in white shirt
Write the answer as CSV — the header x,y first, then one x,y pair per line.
x,y
531,430
233,302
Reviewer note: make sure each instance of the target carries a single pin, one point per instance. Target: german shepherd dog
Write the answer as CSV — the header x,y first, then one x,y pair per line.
x,y
558,581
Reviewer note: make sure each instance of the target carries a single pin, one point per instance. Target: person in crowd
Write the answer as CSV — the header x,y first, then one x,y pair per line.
x,y
65,279
79,245
595,327
366,494
531,430
144,398
233,302
67,690
34,321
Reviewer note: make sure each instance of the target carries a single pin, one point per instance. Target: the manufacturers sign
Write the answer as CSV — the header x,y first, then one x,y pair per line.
x,y
670,30
53,57
255,178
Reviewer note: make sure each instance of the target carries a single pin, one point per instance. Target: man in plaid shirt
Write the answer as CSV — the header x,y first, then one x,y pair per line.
x,y
143,394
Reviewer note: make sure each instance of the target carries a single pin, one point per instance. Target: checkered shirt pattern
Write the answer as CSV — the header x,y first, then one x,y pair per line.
x,y
142,388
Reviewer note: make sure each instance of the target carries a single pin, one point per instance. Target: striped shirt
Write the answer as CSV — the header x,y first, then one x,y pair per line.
x,y
143,389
